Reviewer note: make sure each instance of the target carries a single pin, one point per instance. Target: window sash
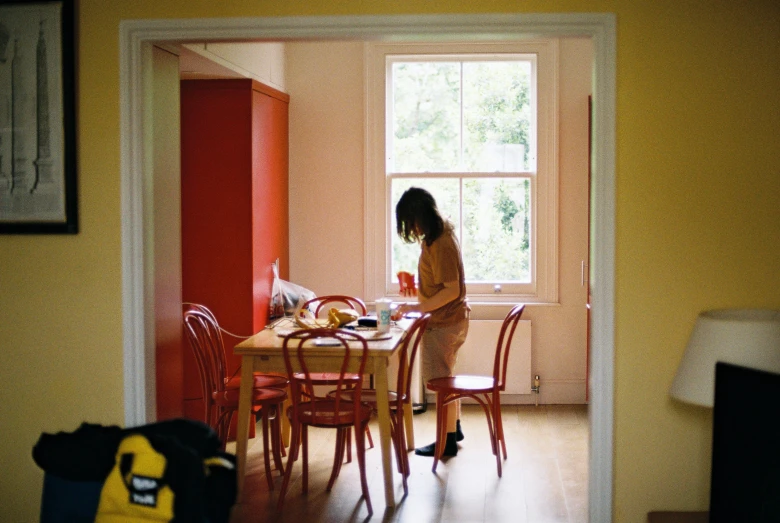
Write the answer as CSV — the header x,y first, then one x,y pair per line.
x,y
379,217
391,60
458,218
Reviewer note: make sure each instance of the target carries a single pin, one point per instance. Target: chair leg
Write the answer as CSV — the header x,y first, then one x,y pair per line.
x,y
276,440
223,426
370,439
490,413
409,424
360,443
499,424
348,443
285,422
338,457
396,444
294,444
399,441
281,430
282,422
441,430
266,454
305,440
216,425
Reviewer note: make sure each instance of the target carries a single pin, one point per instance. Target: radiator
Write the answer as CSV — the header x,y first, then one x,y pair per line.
x,y
476,356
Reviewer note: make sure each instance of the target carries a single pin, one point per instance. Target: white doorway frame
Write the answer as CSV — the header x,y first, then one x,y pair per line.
x,y
137,184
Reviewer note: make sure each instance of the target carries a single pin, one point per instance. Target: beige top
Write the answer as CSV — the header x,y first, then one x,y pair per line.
x,y
441,263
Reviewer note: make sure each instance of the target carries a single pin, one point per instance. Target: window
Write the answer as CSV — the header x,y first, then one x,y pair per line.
x,y
474,125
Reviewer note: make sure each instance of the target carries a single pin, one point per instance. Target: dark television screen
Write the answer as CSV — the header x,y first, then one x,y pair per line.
x,y
745,446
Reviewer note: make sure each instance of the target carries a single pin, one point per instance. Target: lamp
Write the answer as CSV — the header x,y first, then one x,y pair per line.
x,y
746,337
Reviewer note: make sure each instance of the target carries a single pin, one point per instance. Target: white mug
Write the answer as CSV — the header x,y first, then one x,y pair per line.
x,y
383,315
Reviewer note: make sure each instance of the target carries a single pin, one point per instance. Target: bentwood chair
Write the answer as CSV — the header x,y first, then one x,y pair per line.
x,y
337,411
400,399
485,390
220,393
317,306
261,379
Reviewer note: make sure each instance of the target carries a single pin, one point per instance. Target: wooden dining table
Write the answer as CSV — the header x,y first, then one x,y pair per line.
x,y
263,353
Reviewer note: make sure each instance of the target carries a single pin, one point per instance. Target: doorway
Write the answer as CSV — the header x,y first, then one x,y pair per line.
x,y
136,38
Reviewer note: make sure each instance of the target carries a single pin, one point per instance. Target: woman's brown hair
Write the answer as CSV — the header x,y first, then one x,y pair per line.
x,y
417,217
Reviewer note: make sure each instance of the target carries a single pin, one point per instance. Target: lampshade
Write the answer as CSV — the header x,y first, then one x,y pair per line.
x,y
746,337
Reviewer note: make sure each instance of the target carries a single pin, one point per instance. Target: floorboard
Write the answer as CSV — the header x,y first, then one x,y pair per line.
x,y
544,477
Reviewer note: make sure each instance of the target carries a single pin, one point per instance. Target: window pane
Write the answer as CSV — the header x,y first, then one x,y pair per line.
x,y
497,116
496,215
426,116
446,192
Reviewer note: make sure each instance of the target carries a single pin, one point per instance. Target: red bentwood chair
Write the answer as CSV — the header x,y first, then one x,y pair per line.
x,y
400,399
318,306
220,392
337,411
261,380
485,390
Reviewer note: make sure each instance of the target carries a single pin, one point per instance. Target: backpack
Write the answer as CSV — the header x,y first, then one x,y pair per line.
x,y
137,489
171,470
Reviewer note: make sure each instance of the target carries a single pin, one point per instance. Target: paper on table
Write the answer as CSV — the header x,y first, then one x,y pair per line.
x,y
368,334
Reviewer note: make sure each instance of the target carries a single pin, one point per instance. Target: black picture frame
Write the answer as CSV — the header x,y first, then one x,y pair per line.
x,y
38,185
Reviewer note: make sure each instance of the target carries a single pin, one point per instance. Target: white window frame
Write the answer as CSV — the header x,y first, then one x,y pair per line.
x,y
544,185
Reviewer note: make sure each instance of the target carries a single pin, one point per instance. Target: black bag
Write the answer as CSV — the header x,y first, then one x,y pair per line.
x,y
176,466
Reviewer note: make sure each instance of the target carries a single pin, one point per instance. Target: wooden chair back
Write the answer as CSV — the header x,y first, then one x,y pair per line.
x,y
407,355
504,343
298,347
205,339
316,305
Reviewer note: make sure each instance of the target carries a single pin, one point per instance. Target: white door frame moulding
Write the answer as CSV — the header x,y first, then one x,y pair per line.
x,y
137,184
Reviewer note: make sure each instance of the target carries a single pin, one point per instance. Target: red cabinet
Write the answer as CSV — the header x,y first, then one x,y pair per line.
x,y
234,173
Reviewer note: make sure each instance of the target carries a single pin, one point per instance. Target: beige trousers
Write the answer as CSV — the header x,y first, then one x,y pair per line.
x,y
439,354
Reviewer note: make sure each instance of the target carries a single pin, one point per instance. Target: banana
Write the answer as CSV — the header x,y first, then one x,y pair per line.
x,y
339,317
336,318
306,320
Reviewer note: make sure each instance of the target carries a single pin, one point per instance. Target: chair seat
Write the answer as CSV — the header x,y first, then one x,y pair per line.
x,y
462,384
368,396
261,381
229,398
328,378
327,416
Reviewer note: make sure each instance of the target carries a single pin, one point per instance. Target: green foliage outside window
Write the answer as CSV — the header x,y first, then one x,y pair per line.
x,y
468,117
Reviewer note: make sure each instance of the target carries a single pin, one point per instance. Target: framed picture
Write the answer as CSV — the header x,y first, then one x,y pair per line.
x,y
37,118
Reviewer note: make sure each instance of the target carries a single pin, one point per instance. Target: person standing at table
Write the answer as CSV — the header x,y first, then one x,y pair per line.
x,y
441,292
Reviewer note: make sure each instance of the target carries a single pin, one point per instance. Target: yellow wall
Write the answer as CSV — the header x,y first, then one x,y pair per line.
x,y
698,222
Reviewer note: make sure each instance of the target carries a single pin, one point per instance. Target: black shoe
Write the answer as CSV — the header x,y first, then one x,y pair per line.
x,y
459,433
450,448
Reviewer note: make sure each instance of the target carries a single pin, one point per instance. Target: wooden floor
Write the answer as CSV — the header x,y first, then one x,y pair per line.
x,y
544,477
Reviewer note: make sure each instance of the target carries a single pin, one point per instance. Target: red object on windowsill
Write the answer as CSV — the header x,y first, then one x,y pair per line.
x,y
406,282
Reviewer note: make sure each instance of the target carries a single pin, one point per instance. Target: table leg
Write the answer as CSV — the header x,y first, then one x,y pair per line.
x,y
383,415
242,427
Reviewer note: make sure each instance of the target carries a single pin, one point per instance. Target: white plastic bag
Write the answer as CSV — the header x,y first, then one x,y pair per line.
x,y
286,297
